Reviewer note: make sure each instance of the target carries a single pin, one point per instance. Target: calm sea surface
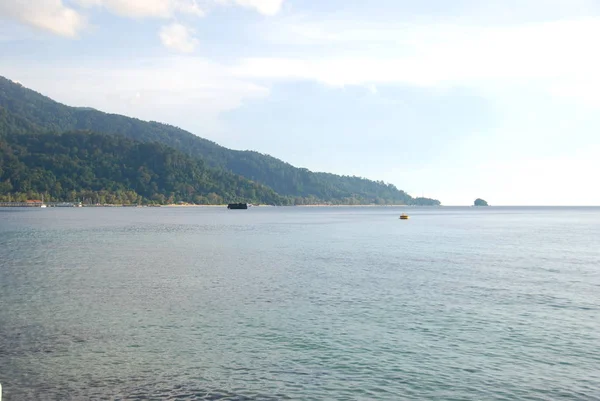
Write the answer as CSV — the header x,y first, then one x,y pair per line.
x,y
300,303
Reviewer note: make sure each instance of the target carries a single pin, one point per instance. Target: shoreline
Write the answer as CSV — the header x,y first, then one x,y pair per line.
x,y
65,205
319,205
325,205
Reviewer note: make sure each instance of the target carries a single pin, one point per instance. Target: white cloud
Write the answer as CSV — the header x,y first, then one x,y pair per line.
x,y
169,8
178,37
49,15
147,8
56,17
583,90
266,7
439,55
190,92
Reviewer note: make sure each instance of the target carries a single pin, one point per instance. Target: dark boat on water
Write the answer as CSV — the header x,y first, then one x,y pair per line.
x,y
237,206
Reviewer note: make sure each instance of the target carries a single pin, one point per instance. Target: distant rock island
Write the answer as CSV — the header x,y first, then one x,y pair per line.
x,y
480,202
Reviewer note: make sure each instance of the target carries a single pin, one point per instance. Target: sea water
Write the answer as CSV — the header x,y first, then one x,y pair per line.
x,y
300,303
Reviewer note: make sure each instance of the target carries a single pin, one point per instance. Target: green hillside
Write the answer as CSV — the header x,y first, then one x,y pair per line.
x,y
300,184
112,169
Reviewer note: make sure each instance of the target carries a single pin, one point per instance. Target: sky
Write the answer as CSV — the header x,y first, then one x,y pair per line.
x,y
498,99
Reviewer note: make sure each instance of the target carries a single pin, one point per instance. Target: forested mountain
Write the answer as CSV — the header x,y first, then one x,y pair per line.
x,y
113,169
31,109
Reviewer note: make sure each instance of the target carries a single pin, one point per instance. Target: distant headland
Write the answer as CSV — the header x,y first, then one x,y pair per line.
x,y
53,152
480,202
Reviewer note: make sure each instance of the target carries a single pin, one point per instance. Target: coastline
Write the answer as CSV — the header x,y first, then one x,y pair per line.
x,y
317,205
370,205
65,204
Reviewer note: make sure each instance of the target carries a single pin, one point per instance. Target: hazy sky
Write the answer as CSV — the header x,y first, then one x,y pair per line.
x,y
498,99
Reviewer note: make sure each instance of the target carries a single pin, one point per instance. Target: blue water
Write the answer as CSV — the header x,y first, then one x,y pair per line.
x,y
300,303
